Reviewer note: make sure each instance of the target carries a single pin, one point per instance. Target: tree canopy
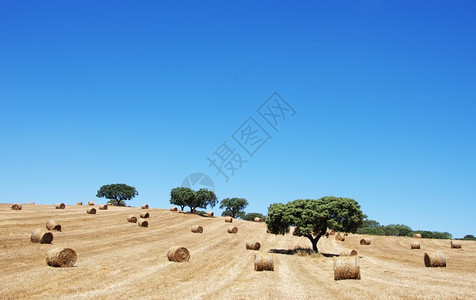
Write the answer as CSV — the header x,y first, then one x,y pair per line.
x,y
183,196
117,193
313,217
234,207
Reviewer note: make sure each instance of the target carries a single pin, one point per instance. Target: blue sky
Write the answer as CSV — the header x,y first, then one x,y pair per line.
x,y
143,92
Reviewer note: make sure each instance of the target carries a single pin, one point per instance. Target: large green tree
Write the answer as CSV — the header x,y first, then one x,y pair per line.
x,y
117,193
183,196
233,207
313,217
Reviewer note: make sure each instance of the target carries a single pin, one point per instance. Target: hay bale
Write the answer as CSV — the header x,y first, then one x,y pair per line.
x,y
91,210
17,206
31,203
257,219
434,259
178,254
210,214
264,262
197,229
456,245
232,229
417,236
90,203
332,232
348,252
52,225
173,208
144,215
340,237
79,203
145,206
415,245
365,241
228,219
131,219
37,236
103,207
61,257
347,267
143,223
60,206
253,245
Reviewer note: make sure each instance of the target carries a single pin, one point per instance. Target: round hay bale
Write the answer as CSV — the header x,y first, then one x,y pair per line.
x,y
145,206
228,219
434,259
456,245
143,223
17,206
52,225
232,229
346,234
144,215
37,236
348,252
417,236
253,245
90,203
79,203
332,232
31,203
181,212
340,237
103,207
210,214
257,219
197,229
347,267
91,210
60,206
267,231
173,208
61,257
264,262
131,219
415,245
178,254
365,241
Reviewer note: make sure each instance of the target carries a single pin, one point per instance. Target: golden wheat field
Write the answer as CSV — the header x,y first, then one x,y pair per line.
x,y
118,259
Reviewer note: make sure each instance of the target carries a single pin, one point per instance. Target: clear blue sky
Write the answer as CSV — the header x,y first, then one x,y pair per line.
x,y
141,92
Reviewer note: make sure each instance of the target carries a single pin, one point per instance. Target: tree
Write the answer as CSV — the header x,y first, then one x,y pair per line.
x,y
181,196
233,207
469,237
313,217
117,193
252,216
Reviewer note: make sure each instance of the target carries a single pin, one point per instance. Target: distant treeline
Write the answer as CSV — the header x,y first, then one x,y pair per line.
x,y
373,227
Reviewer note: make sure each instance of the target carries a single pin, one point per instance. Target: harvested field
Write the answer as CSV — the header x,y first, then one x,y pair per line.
x,y
218,261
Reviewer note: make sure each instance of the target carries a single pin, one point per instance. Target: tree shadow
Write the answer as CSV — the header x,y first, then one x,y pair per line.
x,y
300,251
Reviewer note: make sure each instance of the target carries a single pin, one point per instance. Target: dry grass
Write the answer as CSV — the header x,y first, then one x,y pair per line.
x,y
348,252
117,260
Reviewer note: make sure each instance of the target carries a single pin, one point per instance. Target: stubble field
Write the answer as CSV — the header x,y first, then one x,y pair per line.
x,y
117,259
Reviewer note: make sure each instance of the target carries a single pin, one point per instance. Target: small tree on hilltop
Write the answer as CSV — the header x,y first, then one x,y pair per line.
x,y
180,196
313,217
233,207
117,193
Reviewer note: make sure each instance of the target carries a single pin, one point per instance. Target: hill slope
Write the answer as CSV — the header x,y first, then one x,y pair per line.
x,y
117,259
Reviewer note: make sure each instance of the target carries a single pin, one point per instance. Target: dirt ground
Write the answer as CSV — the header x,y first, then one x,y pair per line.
x,y
117,259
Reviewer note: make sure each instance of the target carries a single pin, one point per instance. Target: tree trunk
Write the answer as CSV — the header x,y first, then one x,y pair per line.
x,y
314,241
